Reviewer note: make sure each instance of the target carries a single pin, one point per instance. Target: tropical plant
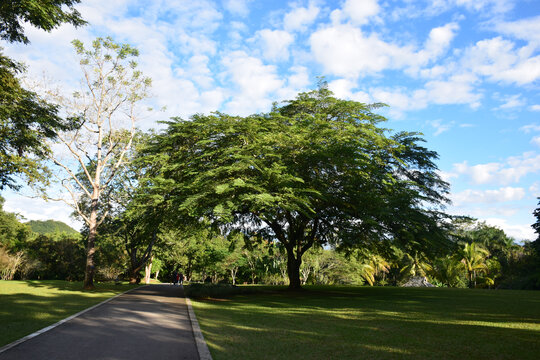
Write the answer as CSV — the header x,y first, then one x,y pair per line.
x,y
473,257
449,270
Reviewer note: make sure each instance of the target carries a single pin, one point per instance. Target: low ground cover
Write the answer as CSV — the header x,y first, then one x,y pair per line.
x,y
373,323
27,306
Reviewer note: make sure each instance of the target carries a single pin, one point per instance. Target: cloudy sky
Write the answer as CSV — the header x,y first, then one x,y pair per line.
x,y
463,72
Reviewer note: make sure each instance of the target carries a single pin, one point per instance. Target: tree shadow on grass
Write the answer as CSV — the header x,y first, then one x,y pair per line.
x,y
371,323
78,286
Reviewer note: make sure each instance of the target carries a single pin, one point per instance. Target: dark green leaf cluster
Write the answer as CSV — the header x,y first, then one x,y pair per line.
x,y
25,121
43,14
536,225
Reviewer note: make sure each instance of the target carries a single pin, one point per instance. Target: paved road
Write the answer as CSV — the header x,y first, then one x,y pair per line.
x,y
150,322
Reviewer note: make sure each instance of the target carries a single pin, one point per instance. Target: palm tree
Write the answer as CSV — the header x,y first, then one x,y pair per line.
x,y
449,271
474,256
416,265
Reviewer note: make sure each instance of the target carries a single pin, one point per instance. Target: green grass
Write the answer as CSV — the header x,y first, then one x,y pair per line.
x,y
27,306
373,323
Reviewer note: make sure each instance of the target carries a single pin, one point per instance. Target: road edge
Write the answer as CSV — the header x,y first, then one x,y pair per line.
x,y
50,327
202,347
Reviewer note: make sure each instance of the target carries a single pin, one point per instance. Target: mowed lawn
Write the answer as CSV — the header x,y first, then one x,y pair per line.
x,y
373,323
27,306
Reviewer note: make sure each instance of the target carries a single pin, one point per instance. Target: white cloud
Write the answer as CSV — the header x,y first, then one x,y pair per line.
x,y
343,88
399,99
517,231
440,126
439,40
496,6
504,194
499,60
358,12
536,140
529,128
255,82
198,71
534,189
300,18
535,107
458,89
346,51
299,78
510,171
275,43
237,7
513,102
524,29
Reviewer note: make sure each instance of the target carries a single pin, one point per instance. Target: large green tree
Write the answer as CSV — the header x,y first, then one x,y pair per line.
x,y
315,170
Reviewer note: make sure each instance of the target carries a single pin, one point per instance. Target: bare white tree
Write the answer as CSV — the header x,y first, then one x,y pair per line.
x,y
103,118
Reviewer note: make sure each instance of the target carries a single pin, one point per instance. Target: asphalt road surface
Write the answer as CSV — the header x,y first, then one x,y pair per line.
x,y
150,322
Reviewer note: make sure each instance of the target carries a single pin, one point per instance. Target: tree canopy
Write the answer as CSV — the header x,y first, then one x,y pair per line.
x,y
316,170
25,118
43,14
25,121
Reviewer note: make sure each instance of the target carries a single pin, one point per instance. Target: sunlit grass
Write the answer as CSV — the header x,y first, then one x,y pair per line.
x,y
373,323
27,306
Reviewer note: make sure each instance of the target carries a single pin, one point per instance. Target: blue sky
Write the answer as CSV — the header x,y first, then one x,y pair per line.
x,y
463,72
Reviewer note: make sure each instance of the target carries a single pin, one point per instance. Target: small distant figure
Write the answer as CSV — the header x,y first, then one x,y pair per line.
x,y
181,278
177,278
174,277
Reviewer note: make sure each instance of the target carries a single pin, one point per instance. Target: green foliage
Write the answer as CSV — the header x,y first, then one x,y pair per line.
x,y
449,271
317,170
26,121
43,14
13,234
536,225
59,257
50,227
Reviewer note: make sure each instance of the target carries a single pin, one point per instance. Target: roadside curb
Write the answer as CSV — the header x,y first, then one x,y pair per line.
x,y
50,327
202,348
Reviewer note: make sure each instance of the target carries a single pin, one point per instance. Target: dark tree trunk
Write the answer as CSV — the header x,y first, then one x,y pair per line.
x,y
136,264
297,240
293,269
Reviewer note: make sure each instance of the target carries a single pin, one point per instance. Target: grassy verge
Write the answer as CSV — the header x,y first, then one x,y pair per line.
x,y
27,306
373,323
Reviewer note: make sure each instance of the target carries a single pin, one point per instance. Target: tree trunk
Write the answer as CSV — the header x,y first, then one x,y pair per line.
x,y
148,271
293,269
91,248
157,273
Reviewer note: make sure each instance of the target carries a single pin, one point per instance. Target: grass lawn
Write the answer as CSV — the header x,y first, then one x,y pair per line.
x,y
27,306
373,323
